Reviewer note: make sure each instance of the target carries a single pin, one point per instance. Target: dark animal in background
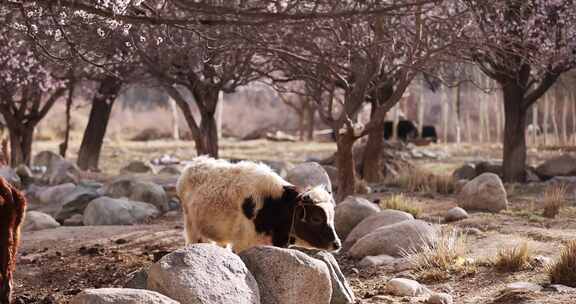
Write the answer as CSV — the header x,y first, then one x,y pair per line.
x,y
388,129
429,132
12,208
407,130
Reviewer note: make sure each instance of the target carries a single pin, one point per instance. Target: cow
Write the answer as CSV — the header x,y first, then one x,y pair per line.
x,y
246,204
12,209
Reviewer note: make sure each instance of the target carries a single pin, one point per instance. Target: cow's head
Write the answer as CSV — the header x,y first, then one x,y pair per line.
x,y
313,220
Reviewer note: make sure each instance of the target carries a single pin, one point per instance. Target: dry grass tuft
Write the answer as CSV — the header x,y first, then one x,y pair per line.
x,y
419,180
563,271
554,200
514,259
444,255
401,203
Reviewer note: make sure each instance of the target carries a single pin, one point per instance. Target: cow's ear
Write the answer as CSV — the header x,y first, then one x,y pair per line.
x,y
291,194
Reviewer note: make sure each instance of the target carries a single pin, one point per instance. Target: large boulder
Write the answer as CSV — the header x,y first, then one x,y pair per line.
x,y
75,202
60,172
204,274
332,172
137,166
309,174
110,211
466,171
287,276
484,193
350,212
136,190
280,167
394,239
563,165
489,167
50,199
120,296
341,291
25,174
35,220
383,218
46,159
10,176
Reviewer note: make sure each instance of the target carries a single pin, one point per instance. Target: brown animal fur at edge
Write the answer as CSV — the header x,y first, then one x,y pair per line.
x,y
12,208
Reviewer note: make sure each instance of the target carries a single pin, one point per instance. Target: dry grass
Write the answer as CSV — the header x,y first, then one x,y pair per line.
x,y
402,203
444,255
513,259
419,180
554,200
563,271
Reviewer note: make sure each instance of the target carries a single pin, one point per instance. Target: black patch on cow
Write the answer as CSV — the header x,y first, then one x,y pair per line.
x,y
248,207
275,216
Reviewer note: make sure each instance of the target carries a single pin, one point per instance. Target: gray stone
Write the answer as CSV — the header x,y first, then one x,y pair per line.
x,y
46,159
383,218
136,190
484,193
440,298
75,202
494,167
564,165
456,214
170,170
110,211
341,291
10,176
280,167
309,175
137,166
466,171
351,212
50,199
405,287
394,239
522,287
120,296
137,279
561,288
287,276
204,274
25,174
36,220
332,172
378,260
74,220
61,172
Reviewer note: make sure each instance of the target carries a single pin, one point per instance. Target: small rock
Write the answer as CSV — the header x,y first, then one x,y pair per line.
x,y
170,170
137,166
50,199
378,260
120,296
484,193
36,220
405,287
440,298
522,287
61,172
341,291
75,202
541,260
137,279
564,165
136,190
456,214
46,159
109,211
561,288
351,212
75,220
25,174
472,231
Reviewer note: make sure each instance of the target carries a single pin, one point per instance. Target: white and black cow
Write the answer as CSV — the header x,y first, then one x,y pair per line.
x,y
246,204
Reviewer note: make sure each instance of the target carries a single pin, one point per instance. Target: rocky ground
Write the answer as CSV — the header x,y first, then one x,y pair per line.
x,y
57,263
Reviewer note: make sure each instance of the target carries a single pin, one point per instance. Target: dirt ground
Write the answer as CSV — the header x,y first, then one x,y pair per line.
x,y
54,265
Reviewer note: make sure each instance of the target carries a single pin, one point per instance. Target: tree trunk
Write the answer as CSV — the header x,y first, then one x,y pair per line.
x,y
21,144
209,138
564,119
345,165
371,166
555,122
514,160
93,137
535,124
311,114
175,120
546,119
64,144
